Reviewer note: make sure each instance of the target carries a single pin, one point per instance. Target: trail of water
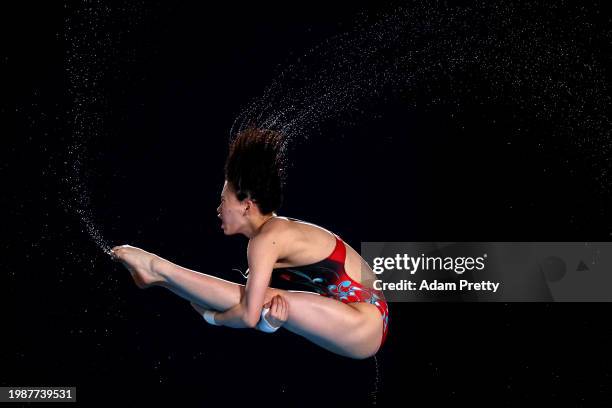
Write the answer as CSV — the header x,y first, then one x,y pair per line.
x,y
375,391
544,61
541,61
92,31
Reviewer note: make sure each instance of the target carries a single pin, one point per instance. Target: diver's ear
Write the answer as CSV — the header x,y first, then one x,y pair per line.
x,y
249,204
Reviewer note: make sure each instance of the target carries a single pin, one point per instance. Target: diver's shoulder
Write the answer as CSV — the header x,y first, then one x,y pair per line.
x,y
275,232
293,229
278,226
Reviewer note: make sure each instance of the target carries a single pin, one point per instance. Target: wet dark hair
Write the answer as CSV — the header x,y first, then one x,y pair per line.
x,y
255,167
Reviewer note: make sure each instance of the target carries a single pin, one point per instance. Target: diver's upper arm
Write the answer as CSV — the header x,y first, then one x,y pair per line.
x,y
262,254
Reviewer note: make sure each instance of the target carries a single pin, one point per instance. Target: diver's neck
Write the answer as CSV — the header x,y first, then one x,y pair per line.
x,y
257,225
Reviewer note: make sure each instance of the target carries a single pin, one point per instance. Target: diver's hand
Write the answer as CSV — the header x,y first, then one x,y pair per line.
x,y
279,311
140,264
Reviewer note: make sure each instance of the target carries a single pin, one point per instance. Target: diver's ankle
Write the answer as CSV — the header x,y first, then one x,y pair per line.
x,y
158,267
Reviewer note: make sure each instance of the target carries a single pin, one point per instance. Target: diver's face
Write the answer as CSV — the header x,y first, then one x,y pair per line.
x,y
230,211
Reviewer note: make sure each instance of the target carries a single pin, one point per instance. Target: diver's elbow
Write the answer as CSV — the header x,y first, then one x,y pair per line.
x,y
250,321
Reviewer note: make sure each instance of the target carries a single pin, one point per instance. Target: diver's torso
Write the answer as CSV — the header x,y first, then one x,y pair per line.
x,y
308,249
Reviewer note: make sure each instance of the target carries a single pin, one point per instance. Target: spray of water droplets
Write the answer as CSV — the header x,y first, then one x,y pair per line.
x,y
92,30
375,391
540,60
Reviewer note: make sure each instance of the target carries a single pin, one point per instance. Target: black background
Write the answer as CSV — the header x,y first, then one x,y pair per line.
x,y
175,82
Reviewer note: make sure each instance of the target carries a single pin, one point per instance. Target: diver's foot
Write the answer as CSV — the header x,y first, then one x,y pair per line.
x,y
140,264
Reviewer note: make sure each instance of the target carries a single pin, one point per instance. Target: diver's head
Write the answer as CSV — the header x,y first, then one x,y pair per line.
x,y
254,179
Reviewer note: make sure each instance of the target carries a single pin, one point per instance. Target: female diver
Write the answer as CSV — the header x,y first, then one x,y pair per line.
x,y
342,314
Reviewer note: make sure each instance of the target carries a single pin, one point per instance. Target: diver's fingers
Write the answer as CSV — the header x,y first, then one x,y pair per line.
x,y
284,308
276,306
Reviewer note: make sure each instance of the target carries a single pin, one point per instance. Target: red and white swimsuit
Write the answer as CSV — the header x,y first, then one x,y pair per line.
x,y
329,278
